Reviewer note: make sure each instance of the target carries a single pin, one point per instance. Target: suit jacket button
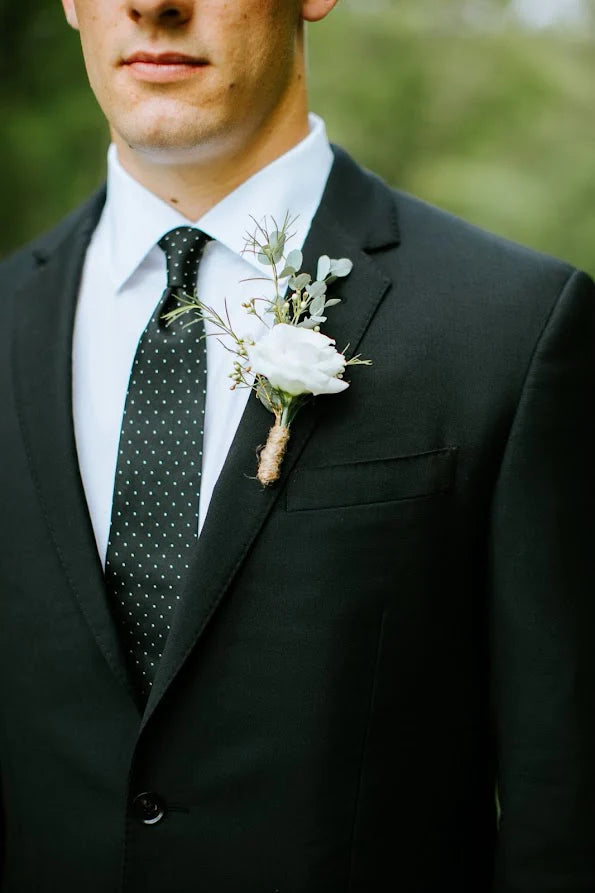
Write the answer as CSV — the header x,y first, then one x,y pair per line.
x,y
148,808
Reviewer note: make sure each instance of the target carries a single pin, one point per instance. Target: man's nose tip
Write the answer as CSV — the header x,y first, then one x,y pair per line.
x,y
170,13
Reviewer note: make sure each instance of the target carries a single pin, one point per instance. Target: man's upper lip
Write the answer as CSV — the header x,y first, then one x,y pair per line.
x,y
163,59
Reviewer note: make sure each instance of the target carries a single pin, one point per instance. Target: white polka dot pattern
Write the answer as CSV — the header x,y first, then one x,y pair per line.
x,y
155,505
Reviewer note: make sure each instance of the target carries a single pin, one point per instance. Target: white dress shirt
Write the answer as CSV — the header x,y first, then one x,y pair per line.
x,y
123,278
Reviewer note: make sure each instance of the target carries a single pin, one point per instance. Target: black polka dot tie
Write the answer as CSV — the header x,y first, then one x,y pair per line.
x,y
154,519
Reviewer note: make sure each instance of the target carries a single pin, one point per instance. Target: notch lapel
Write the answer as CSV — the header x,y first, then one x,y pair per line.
x,y
42,354
356,213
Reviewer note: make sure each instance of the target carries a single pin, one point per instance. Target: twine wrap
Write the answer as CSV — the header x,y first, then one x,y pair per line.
x,y
271,457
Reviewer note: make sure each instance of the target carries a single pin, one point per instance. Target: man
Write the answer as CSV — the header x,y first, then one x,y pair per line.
x,y
322,691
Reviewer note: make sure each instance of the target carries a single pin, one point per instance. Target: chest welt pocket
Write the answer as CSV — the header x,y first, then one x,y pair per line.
x,y
378,480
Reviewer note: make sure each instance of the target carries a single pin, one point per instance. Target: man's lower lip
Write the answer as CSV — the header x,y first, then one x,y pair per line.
x,y
163,73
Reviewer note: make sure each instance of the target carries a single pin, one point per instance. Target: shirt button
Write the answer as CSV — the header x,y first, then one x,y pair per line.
x,y
148,808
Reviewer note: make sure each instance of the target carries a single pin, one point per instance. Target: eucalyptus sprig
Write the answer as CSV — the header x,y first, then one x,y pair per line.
x,y
308,299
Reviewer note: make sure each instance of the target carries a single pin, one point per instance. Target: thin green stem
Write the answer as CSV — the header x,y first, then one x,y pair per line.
x,y
285,416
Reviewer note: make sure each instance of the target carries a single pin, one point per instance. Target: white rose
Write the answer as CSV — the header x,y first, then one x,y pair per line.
x,y
298,361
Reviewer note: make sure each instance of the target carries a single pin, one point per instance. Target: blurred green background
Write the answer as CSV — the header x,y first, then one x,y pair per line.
x,y
485,107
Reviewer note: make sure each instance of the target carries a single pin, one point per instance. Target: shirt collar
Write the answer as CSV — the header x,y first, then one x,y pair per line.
x,y
136,218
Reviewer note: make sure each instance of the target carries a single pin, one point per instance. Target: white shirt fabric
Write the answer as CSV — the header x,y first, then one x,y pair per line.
x,y
123,278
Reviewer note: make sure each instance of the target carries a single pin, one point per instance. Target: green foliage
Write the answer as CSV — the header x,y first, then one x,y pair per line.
x,y
498,128
54,138
494,124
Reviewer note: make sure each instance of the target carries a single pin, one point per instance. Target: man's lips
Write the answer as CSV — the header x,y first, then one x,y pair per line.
x,y
164,59
163,67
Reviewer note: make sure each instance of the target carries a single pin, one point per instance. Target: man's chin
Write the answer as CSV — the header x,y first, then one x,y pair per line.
x,y
162,151
169,131
166,145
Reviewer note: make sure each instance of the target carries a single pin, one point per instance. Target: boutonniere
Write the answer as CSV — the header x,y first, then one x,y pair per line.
x,y
293,361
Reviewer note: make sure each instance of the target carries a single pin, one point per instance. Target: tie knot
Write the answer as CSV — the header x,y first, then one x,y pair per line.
x,y
183,248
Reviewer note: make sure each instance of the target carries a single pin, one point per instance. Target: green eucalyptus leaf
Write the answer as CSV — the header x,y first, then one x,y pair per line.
x,y
316,289
265,260
297,283
332,301
267,395
295,260
341,267
311,322
324,267
317,306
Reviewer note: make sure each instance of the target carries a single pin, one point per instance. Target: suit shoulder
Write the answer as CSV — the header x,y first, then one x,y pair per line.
x,y
403,229
470,268
449,270
437,230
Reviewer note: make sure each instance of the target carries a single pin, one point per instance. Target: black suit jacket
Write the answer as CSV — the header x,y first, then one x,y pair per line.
x,y
363,648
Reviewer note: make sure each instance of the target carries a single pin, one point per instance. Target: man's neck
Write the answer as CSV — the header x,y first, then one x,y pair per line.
x,y
193,186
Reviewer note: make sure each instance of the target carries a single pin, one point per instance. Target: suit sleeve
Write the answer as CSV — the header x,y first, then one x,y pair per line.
x,y
542,588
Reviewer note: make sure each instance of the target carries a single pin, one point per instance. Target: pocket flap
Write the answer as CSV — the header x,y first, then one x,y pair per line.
x,y
377,480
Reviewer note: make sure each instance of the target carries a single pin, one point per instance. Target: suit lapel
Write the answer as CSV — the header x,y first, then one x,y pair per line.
x,y
42,358
356,214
